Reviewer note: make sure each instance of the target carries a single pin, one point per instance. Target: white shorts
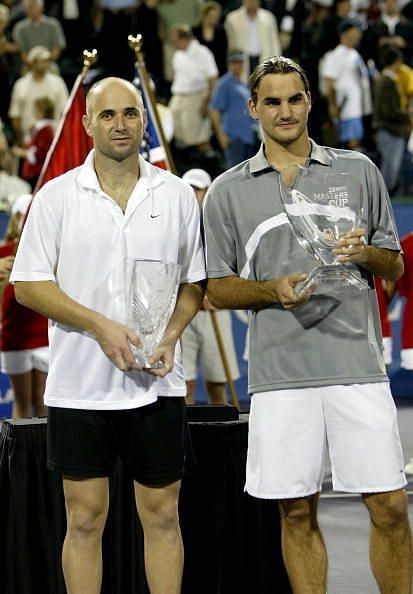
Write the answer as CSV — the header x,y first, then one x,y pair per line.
x,y
16,362
199,343
289,429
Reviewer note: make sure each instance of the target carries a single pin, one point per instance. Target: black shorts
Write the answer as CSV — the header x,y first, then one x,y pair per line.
x,y
153,441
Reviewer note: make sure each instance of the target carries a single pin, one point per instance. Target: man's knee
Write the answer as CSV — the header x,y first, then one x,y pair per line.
x,y
302,511
387,510
159,510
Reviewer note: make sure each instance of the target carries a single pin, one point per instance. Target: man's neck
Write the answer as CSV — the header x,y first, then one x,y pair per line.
x,y
279,156
117,178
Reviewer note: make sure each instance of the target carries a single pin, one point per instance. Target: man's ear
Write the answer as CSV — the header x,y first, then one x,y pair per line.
x,y
86,124
309,100
252,109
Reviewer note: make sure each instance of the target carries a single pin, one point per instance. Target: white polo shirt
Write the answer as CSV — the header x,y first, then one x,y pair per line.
x,y
79,238
193,68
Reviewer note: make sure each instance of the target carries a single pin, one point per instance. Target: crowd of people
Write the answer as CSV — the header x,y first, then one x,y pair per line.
x,y
358,56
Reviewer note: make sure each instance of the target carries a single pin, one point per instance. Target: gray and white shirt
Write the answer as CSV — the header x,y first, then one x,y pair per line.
x,y
331,339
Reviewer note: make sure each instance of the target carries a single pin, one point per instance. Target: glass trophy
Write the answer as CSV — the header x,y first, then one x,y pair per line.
x,y
321,208
153,291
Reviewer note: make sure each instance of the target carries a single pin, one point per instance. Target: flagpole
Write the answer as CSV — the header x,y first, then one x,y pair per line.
x,y
89,58
135,43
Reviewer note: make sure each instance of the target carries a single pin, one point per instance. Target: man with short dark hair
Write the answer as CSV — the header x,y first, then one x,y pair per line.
x,y
316,370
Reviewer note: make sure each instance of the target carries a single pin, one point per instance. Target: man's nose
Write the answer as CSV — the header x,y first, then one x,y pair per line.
x,y
120,121
285,110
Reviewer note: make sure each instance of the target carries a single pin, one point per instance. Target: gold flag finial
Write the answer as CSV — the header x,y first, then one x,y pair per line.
x,y
135,43
89,58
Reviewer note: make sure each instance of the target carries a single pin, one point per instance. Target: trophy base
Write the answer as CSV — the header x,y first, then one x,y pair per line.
x,y
141,359
330,279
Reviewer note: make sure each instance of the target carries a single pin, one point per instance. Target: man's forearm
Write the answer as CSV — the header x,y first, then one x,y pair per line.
x,y
383,263
48,299
188,302
233,292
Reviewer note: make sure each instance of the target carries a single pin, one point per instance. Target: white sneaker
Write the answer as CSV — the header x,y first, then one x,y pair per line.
x,y
408,469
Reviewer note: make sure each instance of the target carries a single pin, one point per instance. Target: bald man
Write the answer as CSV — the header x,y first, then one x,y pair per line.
x,y
82,228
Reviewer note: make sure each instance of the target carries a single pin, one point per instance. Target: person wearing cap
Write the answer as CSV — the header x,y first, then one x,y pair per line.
x,y
347,85
24,351
38,29
199,342
37,83
233,125
316,372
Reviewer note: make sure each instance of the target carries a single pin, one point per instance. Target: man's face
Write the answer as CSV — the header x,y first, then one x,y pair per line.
x,y
236,67
32,8
200,194
40,67
282,107
116,121
353,36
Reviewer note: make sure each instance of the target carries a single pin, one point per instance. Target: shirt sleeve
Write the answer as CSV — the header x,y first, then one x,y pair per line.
x,y
37,254
191,251
383,232
219,98
219,238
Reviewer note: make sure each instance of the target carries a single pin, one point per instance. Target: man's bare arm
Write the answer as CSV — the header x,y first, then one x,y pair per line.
x,y
48,299
381,262
233,292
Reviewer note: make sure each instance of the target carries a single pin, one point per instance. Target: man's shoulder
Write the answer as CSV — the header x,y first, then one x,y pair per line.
x,y
230,179
61,183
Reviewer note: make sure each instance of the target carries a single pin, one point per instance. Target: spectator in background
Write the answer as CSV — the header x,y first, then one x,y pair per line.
x,y
199,342
327,36
385,290
42,134
38,82
254,30
210,33
147,22
37,29
390,29
23,338
114,19
76,18
233,125
195,75
391,122
405,289
11,186
347,86
8,50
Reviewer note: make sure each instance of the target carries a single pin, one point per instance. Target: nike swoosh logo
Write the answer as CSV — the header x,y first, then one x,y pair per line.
x,y
155,216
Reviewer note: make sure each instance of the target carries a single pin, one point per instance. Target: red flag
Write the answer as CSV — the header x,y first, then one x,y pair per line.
x,y
71,144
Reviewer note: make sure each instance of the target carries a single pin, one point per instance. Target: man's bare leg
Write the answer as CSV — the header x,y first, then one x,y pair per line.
x,y
304,551
87,502
390,541
190,391
164,553
216,392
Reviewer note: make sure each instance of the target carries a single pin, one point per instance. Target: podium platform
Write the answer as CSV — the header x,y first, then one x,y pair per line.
x,y
232,541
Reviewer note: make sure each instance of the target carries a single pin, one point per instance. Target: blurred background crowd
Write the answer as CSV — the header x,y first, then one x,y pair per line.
x,y
358,55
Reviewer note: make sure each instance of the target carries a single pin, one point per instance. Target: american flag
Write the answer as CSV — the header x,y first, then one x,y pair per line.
x,y
152,148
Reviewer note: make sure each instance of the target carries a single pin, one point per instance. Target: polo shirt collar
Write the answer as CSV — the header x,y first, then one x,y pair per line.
x,y
149,176
259,161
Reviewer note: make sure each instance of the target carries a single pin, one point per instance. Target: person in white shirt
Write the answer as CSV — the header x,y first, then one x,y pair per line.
x,y
347,85
38,82
195,74
81,230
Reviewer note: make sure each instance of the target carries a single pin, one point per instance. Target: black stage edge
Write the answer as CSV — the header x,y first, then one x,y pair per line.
x,y
232,541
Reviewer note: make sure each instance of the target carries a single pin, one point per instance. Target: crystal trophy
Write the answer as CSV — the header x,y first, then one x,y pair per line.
x,y
153,291
321,208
